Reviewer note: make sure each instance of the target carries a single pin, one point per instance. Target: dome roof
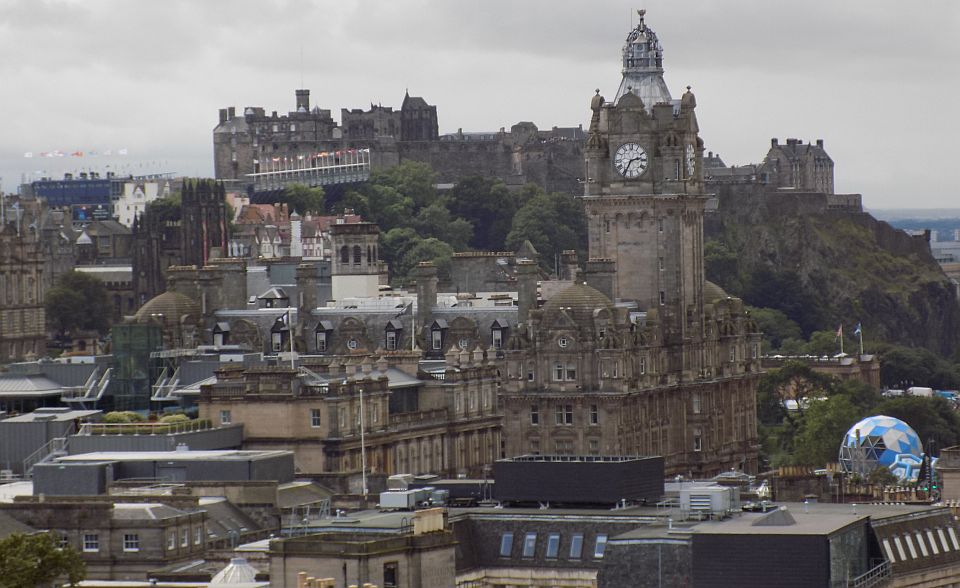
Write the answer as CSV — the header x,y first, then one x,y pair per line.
x,y
713,292
170,305
238,571
579,301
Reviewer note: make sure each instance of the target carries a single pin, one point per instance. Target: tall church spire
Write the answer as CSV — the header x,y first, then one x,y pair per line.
x,y
643,66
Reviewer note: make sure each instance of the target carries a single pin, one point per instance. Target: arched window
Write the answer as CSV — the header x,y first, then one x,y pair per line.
x,y
357,254
344,254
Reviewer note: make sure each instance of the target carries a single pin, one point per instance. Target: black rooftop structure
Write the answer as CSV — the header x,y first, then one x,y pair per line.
x,y
582,479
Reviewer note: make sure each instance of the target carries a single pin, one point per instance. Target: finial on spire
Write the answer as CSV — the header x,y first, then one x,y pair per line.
x,y
688,88
641,12
598,91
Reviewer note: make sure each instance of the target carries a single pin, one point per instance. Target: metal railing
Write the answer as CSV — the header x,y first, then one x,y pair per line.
x,y
166,384
877,576
57,445
144,428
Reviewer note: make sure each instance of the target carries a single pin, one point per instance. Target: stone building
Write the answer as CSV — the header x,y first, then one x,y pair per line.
x,y
798,165
190,236
413,421
24,268
650,358
249,143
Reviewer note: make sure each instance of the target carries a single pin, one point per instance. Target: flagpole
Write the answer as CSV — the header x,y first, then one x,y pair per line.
x,y
840,331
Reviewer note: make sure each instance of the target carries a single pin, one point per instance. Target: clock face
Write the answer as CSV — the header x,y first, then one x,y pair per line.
x,y
691,161
630,160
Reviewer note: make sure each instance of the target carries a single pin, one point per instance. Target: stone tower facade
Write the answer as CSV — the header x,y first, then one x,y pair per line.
x,y
646,357
355,263
203,214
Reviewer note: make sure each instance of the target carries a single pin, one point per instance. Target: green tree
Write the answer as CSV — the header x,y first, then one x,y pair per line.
x,y
435,221
902,367
932,418
824,343
37,560
303,199
795,381
551,222
722,266
775,326
411,179
430,249
78,302
784,291
824,424
488,205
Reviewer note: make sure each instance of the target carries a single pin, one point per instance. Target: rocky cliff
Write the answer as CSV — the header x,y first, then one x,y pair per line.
x,y
850,267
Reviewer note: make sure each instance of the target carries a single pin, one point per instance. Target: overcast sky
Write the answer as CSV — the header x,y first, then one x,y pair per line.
x,y
877,80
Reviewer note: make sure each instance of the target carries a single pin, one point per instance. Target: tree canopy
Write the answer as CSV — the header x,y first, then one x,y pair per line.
x,y
37,560
303,199
78,302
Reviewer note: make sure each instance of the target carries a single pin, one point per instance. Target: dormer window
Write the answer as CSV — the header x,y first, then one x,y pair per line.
x,y
279,334
498,333
392,335
437,331
322,335
221,332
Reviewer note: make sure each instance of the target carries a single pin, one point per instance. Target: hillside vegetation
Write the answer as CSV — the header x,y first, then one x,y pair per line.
x,y
823,268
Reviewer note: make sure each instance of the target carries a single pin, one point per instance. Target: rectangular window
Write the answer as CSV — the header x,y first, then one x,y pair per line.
x,y
697,440
506,544
437,339
497,339
390,574
594,445
643,366
64,541
315,417
563,447
131,542
733,353
660,225
224,417
198,536
564,414
91,542
600,546
172,540
321,341
277,339
558,372
571,372
553,545
529,544
391,341
696,403
755,351
663,297
534,414
594,414
535,446
185,538
660,263
576,546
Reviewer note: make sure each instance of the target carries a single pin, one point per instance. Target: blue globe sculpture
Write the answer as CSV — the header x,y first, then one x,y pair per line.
x,y
882,441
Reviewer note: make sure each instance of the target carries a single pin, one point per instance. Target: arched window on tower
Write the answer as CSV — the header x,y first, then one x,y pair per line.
x,y
357,254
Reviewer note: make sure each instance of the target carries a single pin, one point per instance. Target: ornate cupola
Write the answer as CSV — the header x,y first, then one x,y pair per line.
x,y
643,66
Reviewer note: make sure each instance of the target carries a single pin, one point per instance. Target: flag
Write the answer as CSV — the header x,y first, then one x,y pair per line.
x,y
857,331
840,331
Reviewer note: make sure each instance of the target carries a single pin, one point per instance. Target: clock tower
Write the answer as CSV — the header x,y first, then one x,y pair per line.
x,y
644,192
